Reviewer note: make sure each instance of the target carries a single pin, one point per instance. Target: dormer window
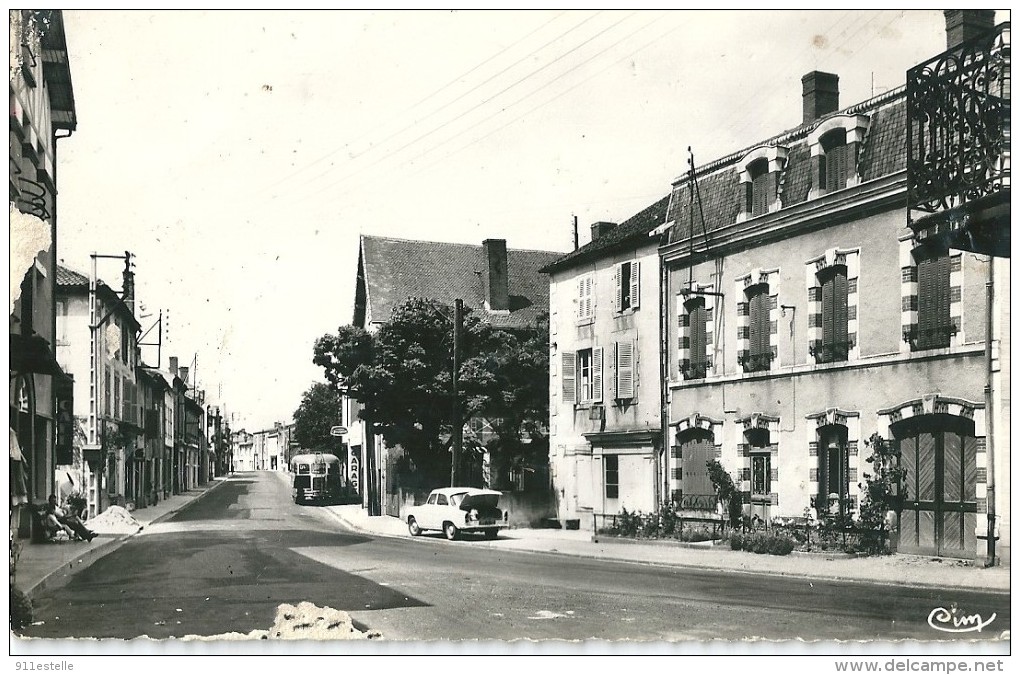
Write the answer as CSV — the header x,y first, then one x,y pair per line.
x,y
835,148
760,172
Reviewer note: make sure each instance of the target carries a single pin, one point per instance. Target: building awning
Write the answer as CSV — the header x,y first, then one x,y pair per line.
x,y
31,354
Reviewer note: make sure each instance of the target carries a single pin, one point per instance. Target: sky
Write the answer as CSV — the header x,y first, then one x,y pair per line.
x,y
239,154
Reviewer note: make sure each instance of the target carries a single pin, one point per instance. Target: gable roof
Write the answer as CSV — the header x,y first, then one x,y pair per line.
x,y
70,281
630,233
393,270
883,152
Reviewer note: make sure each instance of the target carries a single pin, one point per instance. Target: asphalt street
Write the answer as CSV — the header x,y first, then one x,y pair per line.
x,y
226,562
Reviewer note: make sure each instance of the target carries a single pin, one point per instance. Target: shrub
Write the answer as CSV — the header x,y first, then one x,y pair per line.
x,y
762,542
667,519
628,524
22,611
736,541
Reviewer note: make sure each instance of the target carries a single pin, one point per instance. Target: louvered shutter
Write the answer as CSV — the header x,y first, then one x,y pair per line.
x,y
596,374
840,311
625,369
759,322
828,312
635,284
588,293
942,316
926,301
568,369
697,332
759,191
618,287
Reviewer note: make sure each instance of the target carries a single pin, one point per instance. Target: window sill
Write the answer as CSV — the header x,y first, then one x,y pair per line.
x,y
585,322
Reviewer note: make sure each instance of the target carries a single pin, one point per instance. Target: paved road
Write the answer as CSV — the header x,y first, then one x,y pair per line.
x,y
231,558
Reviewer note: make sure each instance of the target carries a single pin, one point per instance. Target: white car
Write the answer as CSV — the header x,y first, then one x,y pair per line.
x,y
454,510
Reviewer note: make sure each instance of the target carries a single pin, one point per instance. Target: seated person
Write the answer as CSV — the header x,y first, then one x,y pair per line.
x,y
52,524
69,520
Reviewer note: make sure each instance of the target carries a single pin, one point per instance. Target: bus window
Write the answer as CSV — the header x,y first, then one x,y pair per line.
x,y
303,469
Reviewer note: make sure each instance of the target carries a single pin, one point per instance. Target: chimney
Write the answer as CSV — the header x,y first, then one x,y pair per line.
x,y
966,24
129,286
497,287
183,370
173,365
821,95
600,228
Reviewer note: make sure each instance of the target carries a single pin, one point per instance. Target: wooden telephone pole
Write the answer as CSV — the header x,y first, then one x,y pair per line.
x,y
457,438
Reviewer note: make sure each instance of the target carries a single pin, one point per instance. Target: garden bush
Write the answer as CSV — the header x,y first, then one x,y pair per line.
x,y
22,611
762,542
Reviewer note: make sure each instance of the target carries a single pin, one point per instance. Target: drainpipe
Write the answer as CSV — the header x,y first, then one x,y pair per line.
x,y
663,378
989,413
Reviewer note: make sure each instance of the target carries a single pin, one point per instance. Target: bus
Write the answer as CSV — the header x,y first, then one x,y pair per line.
x,y
318,477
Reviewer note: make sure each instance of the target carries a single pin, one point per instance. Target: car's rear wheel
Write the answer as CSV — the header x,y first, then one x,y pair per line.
x,y
412,527
450,530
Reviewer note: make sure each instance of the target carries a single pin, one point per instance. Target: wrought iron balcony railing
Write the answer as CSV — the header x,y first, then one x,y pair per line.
x,y
958,107
930,338
753,363
832,352
695,370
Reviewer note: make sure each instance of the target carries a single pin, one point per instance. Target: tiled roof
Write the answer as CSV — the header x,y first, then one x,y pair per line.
x,y
68,277
883,153
631,232
397,269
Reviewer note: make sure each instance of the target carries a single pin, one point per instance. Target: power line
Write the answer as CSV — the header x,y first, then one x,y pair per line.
x,y
475,107
430,96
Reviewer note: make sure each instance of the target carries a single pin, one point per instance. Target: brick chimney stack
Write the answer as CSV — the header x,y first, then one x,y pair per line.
x,y
183,370
497,281
129,285
966,24
173,365
600,229
821,95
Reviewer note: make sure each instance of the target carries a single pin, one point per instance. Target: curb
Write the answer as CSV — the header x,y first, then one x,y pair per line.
x,y
767,573
90,556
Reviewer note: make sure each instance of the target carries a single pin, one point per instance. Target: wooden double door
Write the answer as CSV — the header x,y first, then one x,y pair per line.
x,y
939,489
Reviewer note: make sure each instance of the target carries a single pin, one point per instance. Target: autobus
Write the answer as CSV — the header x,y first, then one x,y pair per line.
x,y
318,477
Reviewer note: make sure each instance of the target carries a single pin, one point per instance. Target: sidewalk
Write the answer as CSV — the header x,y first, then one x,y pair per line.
x,y
41,564
899,570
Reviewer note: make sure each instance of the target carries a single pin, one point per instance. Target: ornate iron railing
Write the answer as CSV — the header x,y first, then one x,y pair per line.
x,y
832,352
930,338
958,106
695,370
753,363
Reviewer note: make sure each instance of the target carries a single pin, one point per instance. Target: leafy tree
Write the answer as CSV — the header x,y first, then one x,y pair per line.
x,y
401,376
726,490
320,409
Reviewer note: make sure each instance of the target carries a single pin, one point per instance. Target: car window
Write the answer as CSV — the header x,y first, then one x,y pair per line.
x,y
442,500
457,498
432,499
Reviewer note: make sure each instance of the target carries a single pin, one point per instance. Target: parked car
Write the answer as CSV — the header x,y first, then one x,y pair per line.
x,y
454,510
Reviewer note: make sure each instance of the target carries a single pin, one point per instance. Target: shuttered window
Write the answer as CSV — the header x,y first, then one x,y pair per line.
x,y
612,469
934,327
759,171
759,334
586,297
627,286
835,315
698,334
697,450
837,160
625,369
596,374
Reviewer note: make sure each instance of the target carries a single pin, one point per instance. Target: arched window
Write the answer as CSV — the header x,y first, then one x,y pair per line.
x,y
835,344
833,471
758,355
759,171
696,364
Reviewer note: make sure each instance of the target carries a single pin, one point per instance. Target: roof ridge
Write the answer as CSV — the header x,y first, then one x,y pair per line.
x,y
453,243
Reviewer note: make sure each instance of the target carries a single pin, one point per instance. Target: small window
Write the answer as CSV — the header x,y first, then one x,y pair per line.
x,y
761,474
836,164
759,170
612,470
628,285
588,375
432,499
304,469
441,500
586,297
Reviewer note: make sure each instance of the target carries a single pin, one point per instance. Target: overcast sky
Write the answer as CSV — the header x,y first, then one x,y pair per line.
x,y
239,155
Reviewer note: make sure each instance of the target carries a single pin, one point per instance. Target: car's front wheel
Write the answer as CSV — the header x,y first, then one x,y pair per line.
x,y
450,530
412,527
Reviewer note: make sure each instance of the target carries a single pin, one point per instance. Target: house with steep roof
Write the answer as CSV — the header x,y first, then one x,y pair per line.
x,y
605,434
503,287
803,316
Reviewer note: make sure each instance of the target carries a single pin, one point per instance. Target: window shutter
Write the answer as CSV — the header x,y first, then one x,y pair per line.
x,y
759,189
625,369
759,322
618,287
589,287
942,315
828,310
568,368
635,284
840,307
596,374
927,307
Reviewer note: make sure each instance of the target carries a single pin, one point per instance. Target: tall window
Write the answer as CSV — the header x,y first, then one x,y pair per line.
x,y
697,364
833,471
696,450
612,470
759,170
759,351
835,345
761,464
934,325
582,376
628,285
837,160
625,369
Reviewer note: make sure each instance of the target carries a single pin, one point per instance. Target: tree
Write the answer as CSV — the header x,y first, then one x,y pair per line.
x,y
401,375
320,409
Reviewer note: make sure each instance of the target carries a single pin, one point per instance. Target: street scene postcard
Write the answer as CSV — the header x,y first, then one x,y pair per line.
x,y
546,332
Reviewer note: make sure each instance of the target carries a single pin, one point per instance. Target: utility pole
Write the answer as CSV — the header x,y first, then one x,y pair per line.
x,y
458,426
